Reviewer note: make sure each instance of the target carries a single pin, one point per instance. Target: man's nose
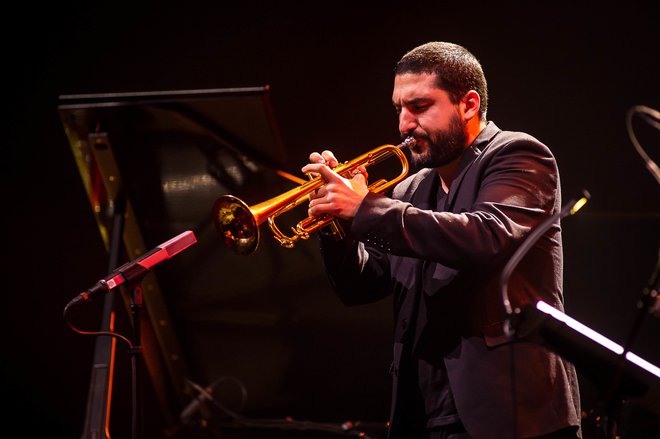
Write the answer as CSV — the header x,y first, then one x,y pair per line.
x,y
407,122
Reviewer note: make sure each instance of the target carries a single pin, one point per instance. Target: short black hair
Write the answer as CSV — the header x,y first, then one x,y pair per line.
x,y
457,70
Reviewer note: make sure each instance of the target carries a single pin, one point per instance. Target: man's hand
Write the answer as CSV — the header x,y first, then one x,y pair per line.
x,y
340,197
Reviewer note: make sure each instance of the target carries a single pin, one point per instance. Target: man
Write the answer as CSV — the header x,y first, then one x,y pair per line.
x,y
438,246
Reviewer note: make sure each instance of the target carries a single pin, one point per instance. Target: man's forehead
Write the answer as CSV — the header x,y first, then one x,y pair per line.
x,y
410,86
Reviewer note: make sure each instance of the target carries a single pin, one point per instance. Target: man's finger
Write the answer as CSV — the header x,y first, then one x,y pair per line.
x,y
315,157
325,172
360,171
330,159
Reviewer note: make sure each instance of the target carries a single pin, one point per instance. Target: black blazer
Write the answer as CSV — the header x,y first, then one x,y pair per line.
x,y
442,268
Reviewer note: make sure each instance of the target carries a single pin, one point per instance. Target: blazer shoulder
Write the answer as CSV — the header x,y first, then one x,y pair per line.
x,y
509,139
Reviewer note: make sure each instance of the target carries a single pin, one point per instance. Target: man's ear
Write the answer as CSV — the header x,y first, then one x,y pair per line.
x,y
471,103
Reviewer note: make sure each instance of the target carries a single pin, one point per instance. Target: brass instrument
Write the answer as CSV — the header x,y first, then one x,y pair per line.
x,y
239,223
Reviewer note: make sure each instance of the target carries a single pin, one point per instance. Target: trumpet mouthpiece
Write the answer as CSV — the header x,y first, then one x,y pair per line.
x,y
408,142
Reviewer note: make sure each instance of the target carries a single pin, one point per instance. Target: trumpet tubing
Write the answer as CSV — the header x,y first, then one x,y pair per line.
x,y
239,223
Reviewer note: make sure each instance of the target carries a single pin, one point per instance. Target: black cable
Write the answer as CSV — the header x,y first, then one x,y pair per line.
x,y
80,331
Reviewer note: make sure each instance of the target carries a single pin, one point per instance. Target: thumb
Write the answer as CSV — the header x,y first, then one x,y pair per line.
x,y
360,178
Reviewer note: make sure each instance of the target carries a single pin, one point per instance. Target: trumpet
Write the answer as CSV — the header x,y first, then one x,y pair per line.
x,y
238,223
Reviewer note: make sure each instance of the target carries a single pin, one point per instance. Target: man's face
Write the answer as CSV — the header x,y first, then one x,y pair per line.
x,y
427,113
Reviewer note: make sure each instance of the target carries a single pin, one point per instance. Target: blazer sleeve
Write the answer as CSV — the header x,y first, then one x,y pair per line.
x,y
515,186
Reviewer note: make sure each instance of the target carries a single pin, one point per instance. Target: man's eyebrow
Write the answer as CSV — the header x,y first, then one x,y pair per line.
x,y
413,101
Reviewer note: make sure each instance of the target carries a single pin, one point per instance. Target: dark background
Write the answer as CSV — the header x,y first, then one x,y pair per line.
x,y
566,75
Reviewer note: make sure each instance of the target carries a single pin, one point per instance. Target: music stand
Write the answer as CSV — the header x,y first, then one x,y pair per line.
x,y
157,160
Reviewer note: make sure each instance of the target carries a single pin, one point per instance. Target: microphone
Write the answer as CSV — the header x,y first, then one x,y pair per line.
x,y
134,270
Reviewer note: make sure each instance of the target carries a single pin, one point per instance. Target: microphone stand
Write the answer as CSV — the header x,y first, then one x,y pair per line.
x,y
97,417
135,351
645,305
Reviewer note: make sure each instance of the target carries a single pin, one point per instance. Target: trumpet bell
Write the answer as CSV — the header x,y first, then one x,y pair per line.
x,y
236,224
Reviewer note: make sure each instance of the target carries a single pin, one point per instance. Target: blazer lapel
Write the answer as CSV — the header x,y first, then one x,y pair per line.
x,y
419,189
468,159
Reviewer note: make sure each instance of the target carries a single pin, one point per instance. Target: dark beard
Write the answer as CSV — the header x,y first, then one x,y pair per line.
x,y
444,147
